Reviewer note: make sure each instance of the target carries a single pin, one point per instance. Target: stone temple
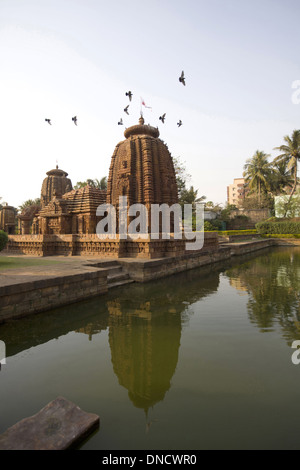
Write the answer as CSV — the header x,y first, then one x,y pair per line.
x,y
141,170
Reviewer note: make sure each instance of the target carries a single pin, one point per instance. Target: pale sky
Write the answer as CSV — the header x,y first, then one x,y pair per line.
x,y
60,58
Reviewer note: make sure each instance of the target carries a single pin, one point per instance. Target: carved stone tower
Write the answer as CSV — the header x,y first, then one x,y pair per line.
x,y
56,184
142,169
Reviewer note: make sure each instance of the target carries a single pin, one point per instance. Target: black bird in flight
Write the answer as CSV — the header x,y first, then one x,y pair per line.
x,y
179,123
182,78
162,118
120,123
74,119
49,121
126,109
129,94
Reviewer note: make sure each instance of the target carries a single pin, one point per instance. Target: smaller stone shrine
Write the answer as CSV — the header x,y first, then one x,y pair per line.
x,y
8,219
25,219
72,213
55,184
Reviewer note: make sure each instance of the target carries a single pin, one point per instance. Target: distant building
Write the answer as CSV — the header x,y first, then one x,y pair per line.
x,y
236,192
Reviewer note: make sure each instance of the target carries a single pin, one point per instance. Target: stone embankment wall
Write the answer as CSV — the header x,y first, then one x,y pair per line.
x,y
23,297
147,270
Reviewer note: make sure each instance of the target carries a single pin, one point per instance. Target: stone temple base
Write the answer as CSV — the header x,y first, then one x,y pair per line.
x,y
91,245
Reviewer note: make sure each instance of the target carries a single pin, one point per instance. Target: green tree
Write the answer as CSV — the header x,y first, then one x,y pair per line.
x,y
252,201
281,178
189,196
210,205
99,184
257,173
290,155
182,177
288,207
226,213
29,202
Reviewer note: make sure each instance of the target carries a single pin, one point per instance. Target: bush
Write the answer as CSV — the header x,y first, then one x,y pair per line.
x,y
3,239
237,232
285,235
208,227
280,228
217,224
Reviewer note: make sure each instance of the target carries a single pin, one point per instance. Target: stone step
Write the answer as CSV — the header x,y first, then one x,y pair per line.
x,y
114,270
119,283
115,274
117,277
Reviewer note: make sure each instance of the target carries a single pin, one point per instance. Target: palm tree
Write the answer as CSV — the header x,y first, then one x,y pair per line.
x,y
281,178
189,196
30,202
102,184
291,156
257,171
99,184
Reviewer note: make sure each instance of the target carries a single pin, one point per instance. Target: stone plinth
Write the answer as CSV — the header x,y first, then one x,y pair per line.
x,y
91,245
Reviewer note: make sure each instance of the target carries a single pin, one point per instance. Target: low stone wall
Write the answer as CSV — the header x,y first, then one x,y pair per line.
x,y
253,216
25,297
285,241
144,271
238,249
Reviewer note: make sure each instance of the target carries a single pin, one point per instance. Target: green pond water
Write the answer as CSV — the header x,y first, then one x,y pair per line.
x,y
199,360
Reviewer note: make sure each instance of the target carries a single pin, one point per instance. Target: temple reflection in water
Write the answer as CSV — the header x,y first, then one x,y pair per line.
x,y
144,351
145,322
144,335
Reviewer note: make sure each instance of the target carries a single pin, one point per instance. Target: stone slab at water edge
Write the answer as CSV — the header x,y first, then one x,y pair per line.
x,y
60,425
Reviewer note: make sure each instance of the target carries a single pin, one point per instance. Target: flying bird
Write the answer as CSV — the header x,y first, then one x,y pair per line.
x,y
179,123
74,119
120,123
162,118
49,121
182,78
126,109
129,94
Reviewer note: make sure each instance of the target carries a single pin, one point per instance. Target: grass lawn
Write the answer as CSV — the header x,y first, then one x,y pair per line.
x,y
19,262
